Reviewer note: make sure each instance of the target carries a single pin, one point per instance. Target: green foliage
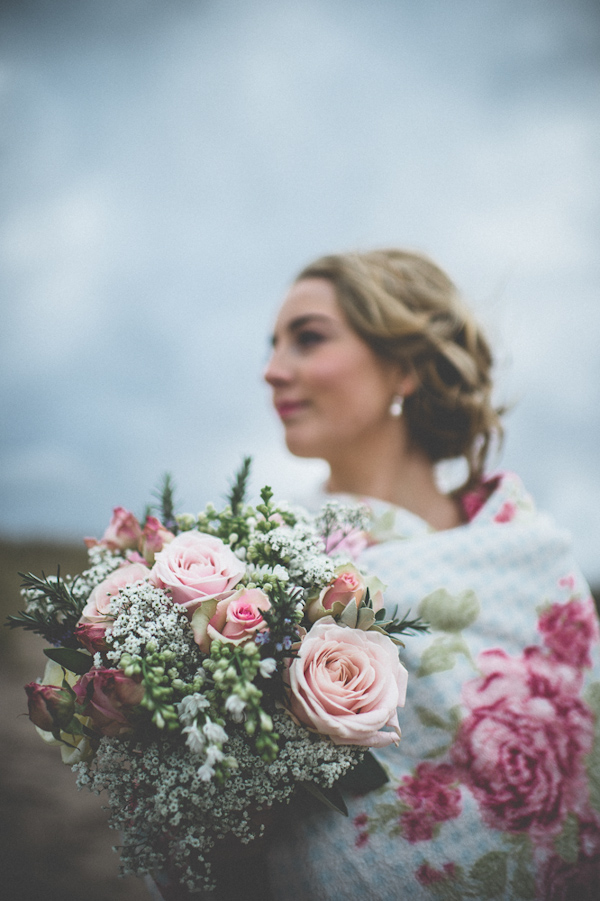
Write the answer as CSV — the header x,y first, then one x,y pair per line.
x,y
166,499
75,661
282,622
433,720
232,692
163,685
404,626
237,495
489,874
567,843
330,797
592,697
60,614
441,655
450,613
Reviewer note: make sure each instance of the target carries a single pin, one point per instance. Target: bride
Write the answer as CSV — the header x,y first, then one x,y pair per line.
x,y
380,370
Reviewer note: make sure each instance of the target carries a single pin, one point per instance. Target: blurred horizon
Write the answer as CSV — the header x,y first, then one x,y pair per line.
x,y
169,167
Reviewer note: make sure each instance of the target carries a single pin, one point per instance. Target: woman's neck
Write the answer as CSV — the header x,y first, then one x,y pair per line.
x,y
401,476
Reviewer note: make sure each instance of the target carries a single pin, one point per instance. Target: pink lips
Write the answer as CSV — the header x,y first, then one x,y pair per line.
x,y
287,409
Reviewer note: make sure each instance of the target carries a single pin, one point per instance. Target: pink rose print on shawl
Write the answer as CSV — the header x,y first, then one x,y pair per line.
x,y
428,875
506,513
431,796
569,631
521,746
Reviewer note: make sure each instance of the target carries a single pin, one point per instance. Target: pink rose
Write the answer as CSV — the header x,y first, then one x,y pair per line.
x,y
196,567
153,538
348,585
97,608
569,631
92,636
347,684
109,697
123,532
521,747
431,796
234,619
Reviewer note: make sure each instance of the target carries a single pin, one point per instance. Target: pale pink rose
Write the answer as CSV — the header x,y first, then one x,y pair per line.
x,y
196,567
521,747
235,619
97,608
569,631
110,698
154,537
123,532
347,684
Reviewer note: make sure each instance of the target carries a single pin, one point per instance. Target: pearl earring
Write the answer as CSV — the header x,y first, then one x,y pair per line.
x,y
396,406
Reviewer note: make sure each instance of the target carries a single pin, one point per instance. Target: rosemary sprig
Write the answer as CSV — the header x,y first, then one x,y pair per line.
x,y
237,495
404,626
56,620
166,499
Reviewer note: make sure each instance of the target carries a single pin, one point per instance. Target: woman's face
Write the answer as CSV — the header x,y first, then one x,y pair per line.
x,y
330,390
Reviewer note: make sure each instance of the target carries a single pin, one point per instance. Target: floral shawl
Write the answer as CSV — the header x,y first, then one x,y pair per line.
x,y
494,791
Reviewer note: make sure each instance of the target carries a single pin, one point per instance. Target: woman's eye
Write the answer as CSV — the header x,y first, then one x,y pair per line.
x,y
308,338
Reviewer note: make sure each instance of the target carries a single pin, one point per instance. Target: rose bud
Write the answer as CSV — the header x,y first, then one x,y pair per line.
x,y
154,537
50,707
92,636
123,532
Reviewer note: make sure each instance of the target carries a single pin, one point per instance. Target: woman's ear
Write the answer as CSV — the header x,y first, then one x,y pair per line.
x,y
407,383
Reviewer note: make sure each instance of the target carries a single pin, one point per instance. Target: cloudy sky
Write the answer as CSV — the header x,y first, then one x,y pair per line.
x,y
168,166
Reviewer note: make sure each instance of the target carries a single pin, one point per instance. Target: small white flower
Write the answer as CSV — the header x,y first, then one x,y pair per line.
x,y
280,573
215,734
205,772
235,707
195,740
213,755
267,667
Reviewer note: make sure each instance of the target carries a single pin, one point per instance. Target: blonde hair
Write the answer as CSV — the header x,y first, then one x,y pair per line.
x,y
408,311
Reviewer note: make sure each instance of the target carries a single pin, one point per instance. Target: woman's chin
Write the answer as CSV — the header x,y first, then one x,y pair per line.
x,y
301,445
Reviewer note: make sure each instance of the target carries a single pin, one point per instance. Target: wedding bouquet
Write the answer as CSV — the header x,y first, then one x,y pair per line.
x,y
204,668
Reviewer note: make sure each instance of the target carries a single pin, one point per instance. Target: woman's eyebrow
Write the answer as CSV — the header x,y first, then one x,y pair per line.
x,y
300,321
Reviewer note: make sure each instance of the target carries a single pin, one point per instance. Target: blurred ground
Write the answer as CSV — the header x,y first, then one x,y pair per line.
x,y
54,841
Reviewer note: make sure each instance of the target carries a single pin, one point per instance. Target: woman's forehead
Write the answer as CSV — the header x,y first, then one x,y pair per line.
x,y
309,298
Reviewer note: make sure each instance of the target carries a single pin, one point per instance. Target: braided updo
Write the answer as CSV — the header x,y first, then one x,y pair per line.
x,y
408,311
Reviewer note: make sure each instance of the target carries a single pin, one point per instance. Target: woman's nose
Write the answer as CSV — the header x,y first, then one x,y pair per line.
x,y
277,372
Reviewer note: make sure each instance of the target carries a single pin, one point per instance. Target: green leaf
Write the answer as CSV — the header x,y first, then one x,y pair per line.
x,y
75,661
433,720
567,843
592,697
450,613
489,874
441,655
366,776
523,881
330,797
